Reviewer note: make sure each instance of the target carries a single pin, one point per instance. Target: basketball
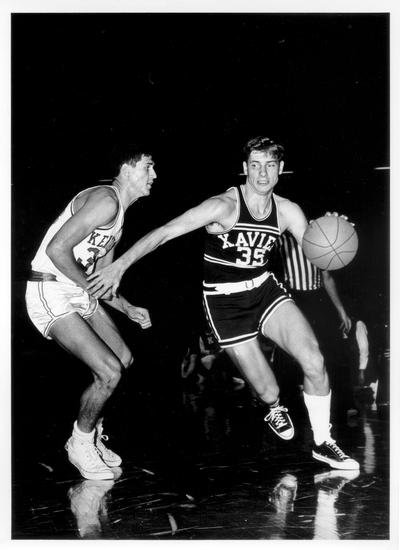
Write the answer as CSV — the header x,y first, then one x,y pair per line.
x,y
330,242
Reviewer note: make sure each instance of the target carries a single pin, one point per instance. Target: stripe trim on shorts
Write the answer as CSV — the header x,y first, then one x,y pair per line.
x,y
227,342
238,340
271,309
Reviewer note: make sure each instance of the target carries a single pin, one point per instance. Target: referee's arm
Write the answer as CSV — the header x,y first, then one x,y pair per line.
x,y
331,289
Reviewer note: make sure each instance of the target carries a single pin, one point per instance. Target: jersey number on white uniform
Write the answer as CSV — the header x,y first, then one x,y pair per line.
x,y
90,260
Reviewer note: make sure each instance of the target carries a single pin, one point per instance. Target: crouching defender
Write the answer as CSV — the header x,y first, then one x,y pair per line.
x,y
81,240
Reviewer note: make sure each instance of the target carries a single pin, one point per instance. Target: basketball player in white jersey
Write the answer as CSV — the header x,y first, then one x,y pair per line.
x,y
81,240
243,298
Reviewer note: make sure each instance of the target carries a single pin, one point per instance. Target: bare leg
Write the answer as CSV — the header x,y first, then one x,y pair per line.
x,y
291,331
251,362
76,336
102,323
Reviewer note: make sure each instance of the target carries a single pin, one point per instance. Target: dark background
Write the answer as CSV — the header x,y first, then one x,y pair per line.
x,y
196,87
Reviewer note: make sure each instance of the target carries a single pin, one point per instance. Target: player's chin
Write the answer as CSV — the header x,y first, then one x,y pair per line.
x,y
263,188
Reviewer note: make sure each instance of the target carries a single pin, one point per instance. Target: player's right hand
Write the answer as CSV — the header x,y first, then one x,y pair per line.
x,y
105,279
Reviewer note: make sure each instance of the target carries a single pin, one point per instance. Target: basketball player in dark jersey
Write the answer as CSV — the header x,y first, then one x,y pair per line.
x,y
81,239
242,297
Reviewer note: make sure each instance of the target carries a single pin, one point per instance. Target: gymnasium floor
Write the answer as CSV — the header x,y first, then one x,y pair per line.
x,y
211,470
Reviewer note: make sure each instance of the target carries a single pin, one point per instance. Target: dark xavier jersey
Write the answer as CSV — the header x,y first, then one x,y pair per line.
x,y
242,252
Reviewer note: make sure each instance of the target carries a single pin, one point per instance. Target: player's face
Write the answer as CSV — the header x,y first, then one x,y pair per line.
x,y
262,170
142,175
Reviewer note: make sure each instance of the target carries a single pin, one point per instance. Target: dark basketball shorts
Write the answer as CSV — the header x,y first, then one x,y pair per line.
x,y
237,312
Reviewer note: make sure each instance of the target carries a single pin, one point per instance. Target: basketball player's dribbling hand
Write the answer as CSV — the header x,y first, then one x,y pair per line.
x,y
339,216
139,315
105,279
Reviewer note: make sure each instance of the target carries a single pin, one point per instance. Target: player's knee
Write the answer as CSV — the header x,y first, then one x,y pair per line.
x,y
112,380
110,374
269,395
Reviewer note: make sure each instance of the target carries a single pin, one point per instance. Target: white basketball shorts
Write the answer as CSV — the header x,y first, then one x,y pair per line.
x,y
48,301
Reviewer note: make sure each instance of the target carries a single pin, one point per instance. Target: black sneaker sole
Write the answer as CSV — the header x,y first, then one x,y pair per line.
x,y
336,465
286,438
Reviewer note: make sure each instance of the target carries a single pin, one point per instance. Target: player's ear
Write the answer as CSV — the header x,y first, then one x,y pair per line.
x,y
281,165
245,168
124,169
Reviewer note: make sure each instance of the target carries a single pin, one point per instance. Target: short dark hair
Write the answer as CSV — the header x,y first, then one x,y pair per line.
x,y
262,143
128,153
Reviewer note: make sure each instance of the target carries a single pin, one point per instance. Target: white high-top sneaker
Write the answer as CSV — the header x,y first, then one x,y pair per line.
x,y
86,457
109,457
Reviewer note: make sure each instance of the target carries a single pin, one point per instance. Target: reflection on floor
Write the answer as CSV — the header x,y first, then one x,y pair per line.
x,y
231,479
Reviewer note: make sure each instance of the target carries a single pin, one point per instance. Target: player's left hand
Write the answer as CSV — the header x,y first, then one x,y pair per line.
x,y
345,325
338,216
139,315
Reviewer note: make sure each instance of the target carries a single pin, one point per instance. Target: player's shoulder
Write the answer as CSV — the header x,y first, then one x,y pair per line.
x,y
220,209
101,198
286,206
224,201
282,200
104,194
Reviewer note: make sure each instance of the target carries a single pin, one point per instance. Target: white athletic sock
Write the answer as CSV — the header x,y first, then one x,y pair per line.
x,y
82,436
319,412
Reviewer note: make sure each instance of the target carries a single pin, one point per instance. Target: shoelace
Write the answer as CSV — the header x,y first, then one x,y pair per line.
x,y
336,449
275,415
99,442
103,448
93,454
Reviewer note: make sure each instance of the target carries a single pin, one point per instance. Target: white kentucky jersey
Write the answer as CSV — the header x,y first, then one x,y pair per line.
x,y
95,245
242,252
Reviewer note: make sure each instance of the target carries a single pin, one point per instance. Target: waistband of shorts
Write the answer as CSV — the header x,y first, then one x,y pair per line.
x,y
241,286
36,276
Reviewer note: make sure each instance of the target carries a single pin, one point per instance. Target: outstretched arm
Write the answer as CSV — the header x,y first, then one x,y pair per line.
x,y
212,210
331,289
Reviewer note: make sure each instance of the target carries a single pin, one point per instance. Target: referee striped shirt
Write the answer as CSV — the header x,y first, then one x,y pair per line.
x,y
299,273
